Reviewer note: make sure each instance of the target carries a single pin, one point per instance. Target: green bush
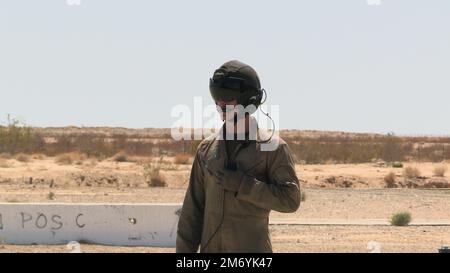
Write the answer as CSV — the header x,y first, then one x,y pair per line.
x,y
17,137
397,165
401,219
51,196
303,196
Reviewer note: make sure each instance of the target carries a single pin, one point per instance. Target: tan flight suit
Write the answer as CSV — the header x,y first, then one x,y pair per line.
x,y
216,220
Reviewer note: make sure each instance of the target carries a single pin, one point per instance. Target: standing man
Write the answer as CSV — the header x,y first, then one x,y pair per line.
x,y
234,184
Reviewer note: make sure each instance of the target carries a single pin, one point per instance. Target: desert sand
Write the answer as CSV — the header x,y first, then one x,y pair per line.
x,y
346,205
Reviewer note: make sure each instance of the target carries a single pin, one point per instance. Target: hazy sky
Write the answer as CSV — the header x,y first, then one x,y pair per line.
x,y
328,64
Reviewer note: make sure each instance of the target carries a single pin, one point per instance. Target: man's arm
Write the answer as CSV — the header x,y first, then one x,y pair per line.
x,y
283,193
190,224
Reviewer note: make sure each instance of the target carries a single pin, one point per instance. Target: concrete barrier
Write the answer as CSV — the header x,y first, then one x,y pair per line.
x,y
108,224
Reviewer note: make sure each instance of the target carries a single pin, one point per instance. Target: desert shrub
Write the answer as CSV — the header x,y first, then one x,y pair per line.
x,y
38,156
437,184
51,195
182,158
121,157
144,160
411,172
6,156
23,157
64,159
397,164
391,148
440,170
401,219
389,179
69,158
345,149
16,137
92,162
153,176
302,196
5,163
335,148
157,179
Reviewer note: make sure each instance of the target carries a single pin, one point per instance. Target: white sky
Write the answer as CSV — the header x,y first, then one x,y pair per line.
x,y
328,64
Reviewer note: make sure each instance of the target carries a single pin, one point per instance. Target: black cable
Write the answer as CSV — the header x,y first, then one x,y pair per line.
x,y
267,115
223,201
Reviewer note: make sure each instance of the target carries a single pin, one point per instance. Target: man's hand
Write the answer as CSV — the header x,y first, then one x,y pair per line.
x,y
228,178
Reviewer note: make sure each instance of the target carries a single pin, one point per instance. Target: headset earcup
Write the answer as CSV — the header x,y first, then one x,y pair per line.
x,y
258,98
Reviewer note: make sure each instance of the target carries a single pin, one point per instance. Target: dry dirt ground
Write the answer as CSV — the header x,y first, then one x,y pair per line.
x,y
337,216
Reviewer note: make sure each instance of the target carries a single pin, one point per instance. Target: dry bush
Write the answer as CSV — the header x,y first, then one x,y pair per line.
x,y
79,162
23,157
182,158
153,176
92,162
411,172
330,180
69,158
162,161
121,157
4,163
64,159
389,179
309,148
144,160
38,156
440,170
437,184
6,156
157,179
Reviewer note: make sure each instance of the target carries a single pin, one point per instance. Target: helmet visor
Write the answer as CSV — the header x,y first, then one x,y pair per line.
x,y
227,89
